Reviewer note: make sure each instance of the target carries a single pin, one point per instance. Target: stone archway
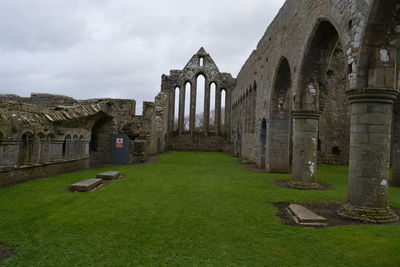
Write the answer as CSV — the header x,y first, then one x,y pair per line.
x,y
279,121
371,117
320,96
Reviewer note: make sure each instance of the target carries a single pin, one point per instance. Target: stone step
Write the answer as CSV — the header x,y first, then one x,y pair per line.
x,y
305,217
111,175
86,186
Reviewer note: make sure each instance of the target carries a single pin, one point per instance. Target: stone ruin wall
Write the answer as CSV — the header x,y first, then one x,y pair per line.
x,y
211,135
47,134
287,37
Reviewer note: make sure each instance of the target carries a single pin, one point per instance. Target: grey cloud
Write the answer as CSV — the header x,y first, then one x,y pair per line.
x,y
120,48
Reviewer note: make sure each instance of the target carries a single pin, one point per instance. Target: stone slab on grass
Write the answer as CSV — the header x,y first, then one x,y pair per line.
x,y
86,186
306,217
111,175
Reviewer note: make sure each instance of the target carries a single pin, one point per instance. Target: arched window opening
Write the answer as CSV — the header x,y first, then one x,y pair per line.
x,y
176,109
66,147
26,149
223,109
186,117
201,61
75,147
199,123
213,90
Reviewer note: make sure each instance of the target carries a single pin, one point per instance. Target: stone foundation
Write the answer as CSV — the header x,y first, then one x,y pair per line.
x,y
369,215
27,173
196,142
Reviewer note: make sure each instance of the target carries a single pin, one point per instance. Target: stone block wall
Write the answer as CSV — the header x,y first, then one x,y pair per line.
x,y
196,142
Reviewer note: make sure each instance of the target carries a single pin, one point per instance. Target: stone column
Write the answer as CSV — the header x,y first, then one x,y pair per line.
x,y
207,107
217,110
193,95
182,104
305,141
371,119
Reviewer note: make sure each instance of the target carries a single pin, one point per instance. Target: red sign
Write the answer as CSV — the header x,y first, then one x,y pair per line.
x,y
119,143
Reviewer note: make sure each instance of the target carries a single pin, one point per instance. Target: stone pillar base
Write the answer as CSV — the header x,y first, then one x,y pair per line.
x,y
368,215
304,186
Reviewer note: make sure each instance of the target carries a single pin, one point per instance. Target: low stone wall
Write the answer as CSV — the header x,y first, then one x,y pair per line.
x,y
26,173
196,142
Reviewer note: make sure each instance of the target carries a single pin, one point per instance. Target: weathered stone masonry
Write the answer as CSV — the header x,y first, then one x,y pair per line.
x,y
319,88
327,76
49,134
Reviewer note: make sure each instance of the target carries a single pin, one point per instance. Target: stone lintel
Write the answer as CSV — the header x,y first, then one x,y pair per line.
x,y
306,114
86,185
303,216
377,95
111,175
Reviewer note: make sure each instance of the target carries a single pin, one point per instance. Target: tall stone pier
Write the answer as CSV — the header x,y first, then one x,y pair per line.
x,y
305,144
371,119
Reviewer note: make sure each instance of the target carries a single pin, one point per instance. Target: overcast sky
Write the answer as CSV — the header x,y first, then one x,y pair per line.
x,y
120,48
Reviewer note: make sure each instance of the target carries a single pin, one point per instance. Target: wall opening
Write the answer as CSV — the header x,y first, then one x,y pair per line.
x,y
279,126
75,147
201,61
26,149
213,90
82,146
201,82
186,116
336,151
223,110
323,84
42,149
51,147
66,147
176,109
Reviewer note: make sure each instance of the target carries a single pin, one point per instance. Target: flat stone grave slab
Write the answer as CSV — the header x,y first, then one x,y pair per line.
x,y
108,175
86,186
305,217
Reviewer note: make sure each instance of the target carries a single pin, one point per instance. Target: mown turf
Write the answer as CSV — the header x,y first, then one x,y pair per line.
x,y
187,209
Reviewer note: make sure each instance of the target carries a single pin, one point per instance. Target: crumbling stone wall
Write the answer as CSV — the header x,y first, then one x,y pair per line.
x,y
42,100
175,84
289,37
36,138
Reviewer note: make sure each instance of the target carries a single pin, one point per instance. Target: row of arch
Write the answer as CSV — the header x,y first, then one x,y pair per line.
x,y
200,106
318,111
246,107
32,149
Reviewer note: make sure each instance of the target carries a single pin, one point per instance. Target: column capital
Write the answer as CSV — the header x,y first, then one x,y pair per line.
x,y
306,114
373,95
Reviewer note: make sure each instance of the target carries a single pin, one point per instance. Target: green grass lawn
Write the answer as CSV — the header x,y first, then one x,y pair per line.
x,y
186,209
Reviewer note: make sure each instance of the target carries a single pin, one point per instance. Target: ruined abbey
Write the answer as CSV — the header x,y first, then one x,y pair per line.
x,y
321,87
